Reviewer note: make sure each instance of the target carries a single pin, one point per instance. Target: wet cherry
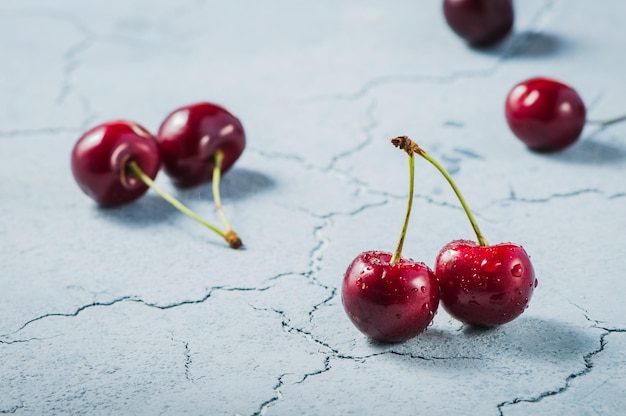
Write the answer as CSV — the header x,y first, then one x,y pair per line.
x,y
100,158
116,162
484,285
479,22
389,298
481,284
545,114
190,138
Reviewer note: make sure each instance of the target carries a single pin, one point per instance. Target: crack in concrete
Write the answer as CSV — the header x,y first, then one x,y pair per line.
x,y
188,360
13,409
588,365
133,299
46,131
71,63
367,132
278,395
331,353
549,198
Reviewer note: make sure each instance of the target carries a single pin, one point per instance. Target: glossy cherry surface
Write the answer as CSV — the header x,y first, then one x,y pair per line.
x,y
389,302
100,159
484,285
479,22
545,114
189,137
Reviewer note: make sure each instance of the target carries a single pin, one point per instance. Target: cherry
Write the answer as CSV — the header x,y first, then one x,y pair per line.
x,y
389,298
545,114
479,22
100,157
190,138
548,115
116,162
481,284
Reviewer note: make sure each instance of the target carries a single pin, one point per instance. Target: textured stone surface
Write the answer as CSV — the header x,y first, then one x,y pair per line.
x,y
139,310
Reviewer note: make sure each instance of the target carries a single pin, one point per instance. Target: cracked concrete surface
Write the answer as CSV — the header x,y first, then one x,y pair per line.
x,y
138,310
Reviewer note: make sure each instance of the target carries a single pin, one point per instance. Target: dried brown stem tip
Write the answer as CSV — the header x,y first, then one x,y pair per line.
x,y
233,239
406,144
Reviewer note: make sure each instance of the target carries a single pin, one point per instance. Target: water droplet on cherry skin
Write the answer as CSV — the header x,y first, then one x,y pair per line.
x,y
426,309
517,270
536,282
490,265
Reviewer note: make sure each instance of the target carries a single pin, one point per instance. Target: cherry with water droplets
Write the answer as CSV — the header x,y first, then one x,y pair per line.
x,y
116,162
480,22
387,297
493,295
481,284
190,137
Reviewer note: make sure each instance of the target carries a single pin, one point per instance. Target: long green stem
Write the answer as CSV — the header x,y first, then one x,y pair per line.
x,y
397,254
604,123
140,174
217,173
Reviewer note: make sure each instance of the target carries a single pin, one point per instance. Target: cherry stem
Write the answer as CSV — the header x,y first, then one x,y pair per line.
x,y
397,254
406,142
217,174
604,123
231,238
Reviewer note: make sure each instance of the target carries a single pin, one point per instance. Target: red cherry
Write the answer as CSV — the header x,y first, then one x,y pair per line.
x,y
479,22
388,298
480,284
545,114
389,302
190,137
100,160
484,285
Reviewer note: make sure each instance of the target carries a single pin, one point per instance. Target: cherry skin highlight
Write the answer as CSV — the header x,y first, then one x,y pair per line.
x,y
545,114
189,138
389,302
479,22
484,285
100,161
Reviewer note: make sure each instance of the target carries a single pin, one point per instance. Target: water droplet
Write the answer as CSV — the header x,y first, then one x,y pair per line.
x,y
490,265
426,308
536,282
414,289
423,289
517,270
358,282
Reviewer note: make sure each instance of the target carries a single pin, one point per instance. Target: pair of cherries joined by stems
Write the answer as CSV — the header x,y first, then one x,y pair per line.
x,y
116,162
392,299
